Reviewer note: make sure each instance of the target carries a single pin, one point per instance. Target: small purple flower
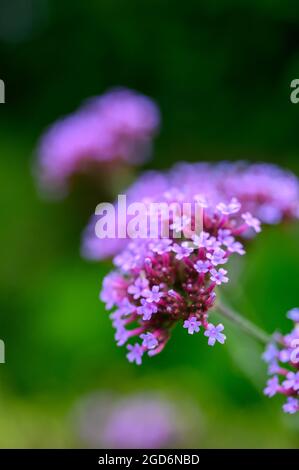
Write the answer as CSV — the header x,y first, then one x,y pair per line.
x,y
218,257
272,387
273,368
192,324
234,247
214,334
126,308
214,243
224,236
114,290
271,353
202,267
284,355
135,353
202,240
161,246
182,251
219,276
291,406
153,295
147,309
231,208
292,381
293,314
149,341
282,358
252,222
138,288
121,336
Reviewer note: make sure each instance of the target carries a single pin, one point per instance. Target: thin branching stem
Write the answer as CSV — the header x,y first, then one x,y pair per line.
x,y
243,323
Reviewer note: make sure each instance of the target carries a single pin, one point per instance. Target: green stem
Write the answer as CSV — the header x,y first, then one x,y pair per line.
x,y
243,323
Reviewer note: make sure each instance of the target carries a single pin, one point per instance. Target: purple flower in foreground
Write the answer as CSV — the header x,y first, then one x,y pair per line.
x,y
135,353
174,289
192,324
214,334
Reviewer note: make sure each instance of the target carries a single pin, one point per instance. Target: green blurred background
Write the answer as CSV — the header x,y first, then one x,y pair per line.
x,y
221,73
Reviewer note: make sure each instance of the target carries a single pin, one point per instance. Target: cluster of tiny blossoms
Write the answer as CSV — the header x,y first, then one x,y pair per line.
x,y
162,282
282,357
266,191
117,127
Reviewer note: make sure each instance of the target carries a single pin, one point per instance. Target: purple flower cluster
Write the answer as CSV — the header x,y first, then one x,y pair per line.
x,y
266,191
282,357
116,127
162,282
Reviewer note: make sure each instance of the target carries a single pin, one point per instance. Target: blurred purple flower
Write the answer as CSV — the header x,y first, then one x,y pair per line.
x,y
116,127
141,421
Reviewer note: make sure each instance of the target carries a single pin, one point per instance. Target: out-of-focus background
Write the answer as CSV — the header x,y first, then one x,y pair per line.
x,y
220,72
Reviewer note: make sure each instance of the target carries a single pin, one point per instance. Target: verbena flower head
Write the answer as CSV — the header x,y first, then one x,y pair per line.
x,y
266,193
116,127
164,282
282,357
